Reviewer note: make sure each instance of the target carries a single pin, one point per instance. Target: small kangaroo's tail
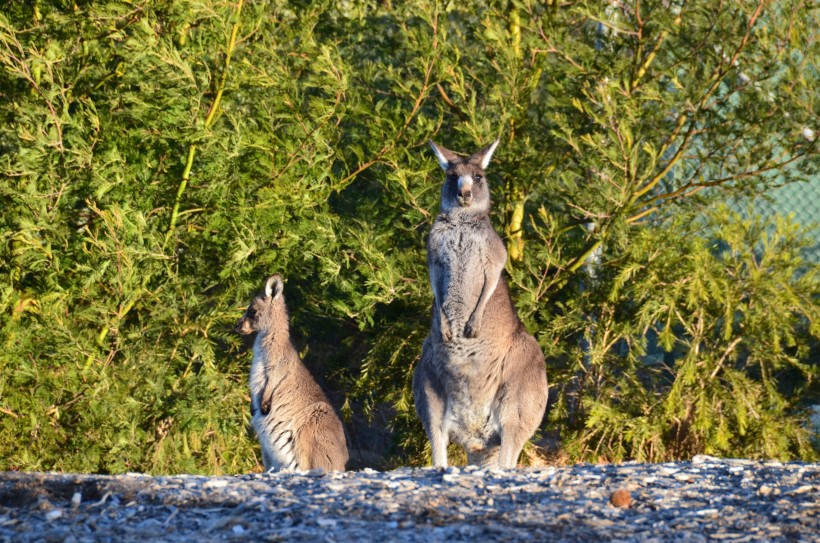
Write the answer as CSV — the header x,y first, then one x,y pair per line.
x,y
484,457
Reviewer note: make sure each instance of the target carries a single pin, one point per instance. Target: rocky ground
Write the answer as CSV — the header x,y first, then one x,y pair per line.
x,y
704,500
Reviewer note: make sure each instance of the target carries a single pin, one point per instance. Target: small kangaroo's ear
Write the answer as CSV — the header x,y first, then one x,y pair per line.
x,y
444,156
274,286
482,158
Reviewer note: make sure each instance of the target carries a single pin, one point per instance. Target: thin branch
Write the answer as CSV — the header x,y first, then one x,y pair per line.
x,y
660,175
610,26
553,49
579,260
9,412
209,119
27,75
647,62
294,156
692,188
422,95
718,76
723,358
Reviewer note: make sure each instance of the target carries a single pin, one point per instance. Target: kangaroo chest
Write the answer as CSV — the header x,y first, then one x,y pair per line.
x,y
277,429
273,413
459,254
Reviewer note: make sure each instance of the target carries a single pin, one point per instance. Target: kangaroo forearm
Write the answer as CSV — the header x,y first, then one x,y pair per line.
x,y
475,322
444,325
490,284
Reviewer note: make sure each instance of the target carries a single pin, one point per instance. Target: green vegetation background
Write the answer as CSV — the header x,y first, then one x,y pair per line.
x,y
159,159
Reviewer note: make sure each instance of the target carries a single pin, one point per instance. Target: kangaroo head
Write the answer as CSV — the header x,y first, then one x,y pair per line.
x,y
266,311
465,185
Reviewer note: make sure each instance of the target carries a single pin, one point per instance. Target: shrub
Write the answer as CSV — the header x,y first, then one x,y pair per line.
x,y
159,160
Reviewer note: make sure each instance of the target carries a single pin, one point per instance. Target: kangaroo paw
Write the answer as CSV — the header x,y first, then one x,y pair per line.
x,y
472,327
446,334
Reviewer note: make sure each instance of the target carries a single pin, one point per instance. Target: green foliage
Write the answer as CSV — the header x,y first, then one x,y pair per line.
x,y
735,309
159,160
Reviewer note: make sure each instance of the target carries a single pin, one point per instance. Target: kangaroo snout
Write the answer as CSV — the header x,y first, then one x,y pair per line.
x,y
242,327
465,193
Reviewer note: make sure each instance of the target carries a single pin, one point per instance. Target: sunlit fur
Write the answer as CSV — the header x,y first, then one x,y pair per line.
x,y
296,425
481,381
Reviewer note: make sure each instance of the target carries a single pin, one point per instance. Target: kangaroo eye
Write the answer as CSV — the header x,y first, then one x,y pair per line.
x,y
477,178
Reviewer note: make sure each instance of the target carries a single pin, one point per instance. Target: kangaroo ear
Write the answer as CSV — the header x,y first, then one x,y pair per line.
x,y
482,158
274,286
444,156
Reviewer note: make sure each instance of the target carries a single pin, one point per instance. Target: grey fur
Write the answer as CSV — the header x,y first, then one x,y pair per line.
x,y
295,423
481,381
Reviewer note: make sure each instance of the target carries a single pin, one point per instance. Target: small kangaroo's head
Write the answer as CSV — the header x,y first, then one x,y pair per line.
x,y
266,311
465,185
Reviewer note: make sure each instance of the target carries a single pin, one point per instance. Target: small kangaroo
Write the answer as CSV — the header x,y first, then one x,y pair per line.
x,y
295,423
481,381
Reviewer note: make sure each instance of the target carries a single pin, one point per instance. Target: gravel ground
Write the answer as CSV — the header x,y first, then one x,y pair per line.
x,y
707,499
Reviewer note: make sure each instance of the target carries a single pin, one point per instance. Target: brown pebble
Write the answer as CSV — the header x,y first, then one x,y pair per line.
x,y
621,498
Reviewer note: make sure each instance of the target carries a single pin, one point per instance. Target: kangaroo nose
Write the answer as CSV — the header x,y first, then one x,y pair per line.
x,y
465,191
240,327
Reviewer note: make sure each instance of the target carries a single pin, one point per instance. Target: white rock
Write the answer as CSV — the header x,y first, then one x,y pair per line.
x,y
54,514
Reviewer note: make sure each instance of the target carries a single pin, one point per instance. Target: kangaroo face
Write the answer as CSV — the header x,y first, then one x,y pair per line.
x,y
465,186
260,315
256,318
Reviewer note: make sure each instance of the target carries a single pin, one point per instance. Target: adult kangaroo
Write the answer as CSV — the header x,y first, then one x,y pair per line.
x,y
481,381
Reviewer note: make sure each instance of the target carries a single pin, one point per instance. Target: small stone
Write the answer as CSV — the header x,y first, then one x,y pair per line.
x,y
54,514
684,477
449,477
704,458
621,498
238,529
600,522
215,483
709,513
802,490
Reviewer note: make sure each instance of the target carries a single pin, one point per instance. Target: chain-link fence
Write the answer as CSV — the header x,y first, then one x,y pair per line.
x,y
803,201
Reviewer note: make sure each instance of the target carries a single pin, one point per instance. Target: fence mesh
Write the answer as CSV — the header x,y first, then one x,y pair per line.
x,y
802,200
